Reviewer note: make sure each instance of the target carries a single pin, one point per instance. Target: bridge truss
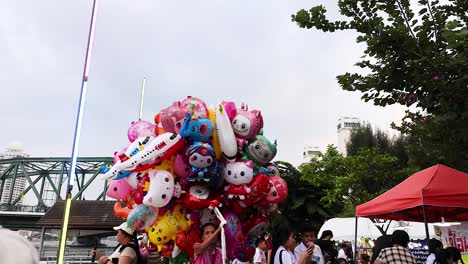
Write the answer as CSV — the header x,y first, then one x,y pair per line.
x,y
47,178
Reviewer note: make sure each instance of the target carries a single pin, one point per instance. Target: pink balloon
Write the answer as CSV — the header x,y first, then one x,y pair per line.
x,y
182,169
120,190
193,104
235,244
140,129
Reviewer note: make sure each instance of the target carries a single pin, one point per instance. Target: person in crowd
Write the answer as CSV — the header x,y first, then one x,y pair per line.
x,y
399,252
327,235
364,259
342,261
327,246
261,247
308,238
342,252
143,249
16,248
433,245
382,242
283,242
456,255
443,256
206,252
127,252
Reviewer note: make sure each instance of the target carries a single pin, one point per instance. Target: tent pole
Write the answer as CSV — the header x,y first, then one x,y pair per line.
x,y
355,241
425,223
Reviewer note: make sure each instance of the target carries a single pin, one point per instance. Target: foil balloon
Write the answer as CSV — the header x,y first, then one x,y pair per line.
x,y
120,190
255,226
234,237
182,169
227,139
121,212
198,197
141,217
186,239
194,106
169,120
161,189
246,124
278,191
215,138
168,226
259,188
139,129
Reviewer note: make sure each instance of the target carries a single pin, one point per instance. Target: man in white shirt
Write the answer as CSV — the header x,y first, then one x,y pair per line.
x,y
307,237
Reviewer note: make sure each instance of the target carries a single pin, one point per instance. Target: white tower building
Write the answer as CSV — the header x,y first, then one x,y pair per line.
x,y
344,128
14,150
310,152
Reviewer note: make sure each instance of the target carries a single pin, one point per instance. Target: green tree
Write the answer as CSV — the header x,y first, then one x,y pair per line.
x,y
304,204
415,55
367,137
352,180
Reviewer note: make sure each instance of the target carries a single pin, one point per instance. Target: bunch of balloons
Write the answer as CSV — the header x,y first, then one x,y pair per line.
x,y
193,159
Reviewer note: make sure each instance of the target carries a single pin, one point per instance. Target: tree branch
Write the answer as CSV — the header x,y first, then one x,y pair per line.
x,y
406,19
433,19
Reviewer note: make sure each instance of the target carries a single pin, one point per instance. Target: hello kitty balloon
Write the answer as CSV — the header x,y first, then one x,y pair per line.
x,y
161,189
239,174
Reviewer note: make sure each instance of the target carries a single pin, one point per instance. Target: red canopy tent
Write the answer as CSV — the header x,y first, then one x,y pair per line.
x,y
426,196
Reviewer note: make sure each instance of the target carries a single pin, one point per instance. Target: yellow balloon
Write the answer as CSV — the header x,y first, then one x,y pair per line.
x,y
168,226
215,144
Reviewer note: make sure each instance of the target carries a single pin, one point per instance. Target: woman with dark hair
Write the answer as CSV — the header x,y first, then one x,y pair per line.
x,y
327,235
456,255
382,242
327,246
206,251
443,256
127,252
434,245
283,242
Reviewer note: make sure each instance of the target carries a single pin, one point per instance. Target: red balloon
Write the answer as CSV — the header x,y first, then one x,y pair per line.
x,y
199,197
186,240
278,191
255,226
259,187
140,193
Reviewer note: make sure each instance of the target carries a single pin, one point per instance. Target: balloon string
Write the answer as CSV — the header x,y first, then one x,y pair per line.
x,y
223,235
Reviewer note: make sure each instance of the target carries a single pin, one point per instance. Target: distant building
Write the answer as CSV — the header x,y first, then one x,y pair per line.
x,y
344,128
310,152
14,150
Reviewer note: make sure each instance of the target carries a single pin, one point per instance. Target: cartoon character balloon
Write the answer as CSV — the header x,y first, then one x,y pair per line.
x,y
239,174
260,150
169,120
161,189
201,157
278,191
167,226
246,125
197,129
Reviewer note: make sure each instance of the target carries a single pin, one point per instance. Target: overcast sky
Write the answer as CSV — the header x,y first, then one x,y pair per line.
x,y
245,51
